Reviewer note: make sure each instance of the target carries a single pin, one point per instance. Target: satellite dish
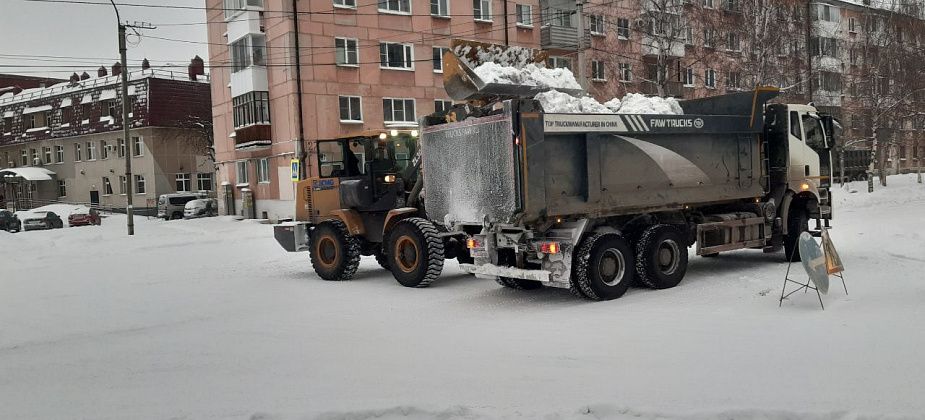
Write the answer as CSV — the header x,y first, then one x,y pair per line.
x,y
814,262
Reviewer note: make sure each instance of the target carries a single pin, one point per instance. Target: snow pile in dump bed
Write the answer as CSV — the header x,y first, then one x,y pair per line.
x,y
633,103
531,75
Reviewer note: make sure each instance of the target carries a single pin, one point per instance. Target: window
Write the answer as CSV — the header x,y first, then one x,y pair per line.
x,y
24,157
481,9
77,155
204,182
820,46
109,108
438,59
241,171
8,125
597,71
441,105
121,148
708,4
824,12
731,5
398,110
351,4
67,114
263,171
795,125
852,25
248,51
596,24
35,120
558,17
91,150
138,147
104,150
251,108
708,36
732,41
122,187
139,184
732,80
395,6
346,50
440,8
35,157
689,76
85,111
623,28
350,109
107,186
46,152
709,78
524,15
59,154
62,188
829,81
688,35
626,72
184,182
559,63
395,56
232,7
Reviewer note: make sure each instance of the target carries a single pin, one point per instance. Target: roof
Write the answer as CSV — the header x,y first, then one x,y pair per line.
x,y
29,173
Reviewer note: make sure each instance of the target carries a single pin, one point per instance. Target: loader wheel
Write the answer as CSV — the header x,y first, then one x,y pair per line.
x,y
602,268
797,223
519,284
416,252
335,254
383,259
661,257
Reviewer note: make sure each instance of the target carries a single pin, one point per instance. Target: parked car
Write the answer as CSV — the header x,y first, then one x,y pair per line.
x,y
41,220
84,218
9,222
203,207
171,206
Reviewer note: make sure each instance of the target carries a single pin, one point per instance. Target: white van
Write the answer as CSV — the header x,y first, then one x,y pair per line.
x,y
170,206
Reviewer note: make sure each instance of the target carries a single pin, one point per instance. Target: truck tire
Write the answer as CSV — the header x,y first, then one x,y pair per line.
x,y
519,284
602,268
797,223
383,259
416,252
661,257
335,254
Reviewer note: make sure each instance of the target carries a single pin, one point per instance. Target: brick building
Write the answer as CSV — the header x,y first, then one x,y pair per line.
x,y
64,142
370,65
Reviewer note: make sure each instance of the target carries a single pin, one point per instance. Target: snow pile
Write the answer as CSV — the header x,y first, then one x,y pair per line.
x,y
530,75
562,103
504,56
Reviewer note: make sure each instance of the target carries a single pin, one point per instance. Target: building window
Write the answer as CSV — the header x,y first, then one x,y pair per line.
x,y
248,51
139,184
597,71
820,46
91,150
46,152
232,7
107,186
558,17
442,106
524,15
596,24
395,56
263,171
689,76
440,8
398,110
395,6
852,25
62,188
732,80
559,63
138,147
204,181
346,49
438,59
109,108
708,38
251,108
732,41
67,114
77,154
626,72
24,157
824,12
481,10
708,4
241,171
352,4
709,78
350,109
731,5
122,187
104,150
829,81
35,120
120,148
35,157
623,28
59,154
184,182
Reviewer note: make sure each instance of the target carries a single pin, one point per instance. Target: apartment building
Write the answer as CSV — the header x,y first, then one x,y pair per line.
x,y
64,142
294,72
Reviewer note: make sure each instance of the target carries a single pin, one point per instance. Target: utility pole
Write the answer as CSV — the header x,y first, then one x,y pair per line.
x,y
582,66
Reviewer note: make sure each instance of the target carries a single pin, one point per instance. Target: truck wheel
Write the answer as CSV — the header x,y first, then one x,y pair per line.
x,y
661,257
602,268
383,259
519,284
335,254
797,223
416,252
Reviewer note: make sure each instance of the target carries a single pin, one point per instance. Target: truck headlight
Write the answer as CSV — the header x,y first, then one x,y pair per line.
x,y
389,179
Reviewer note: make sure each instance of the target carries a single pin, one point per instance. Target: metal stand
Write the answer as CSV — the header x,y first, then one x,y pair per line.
x,y
803,286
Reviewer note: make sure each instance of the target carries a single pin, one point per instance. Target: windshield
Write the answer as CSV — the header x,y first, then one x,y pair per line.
x,y
362,155
815,136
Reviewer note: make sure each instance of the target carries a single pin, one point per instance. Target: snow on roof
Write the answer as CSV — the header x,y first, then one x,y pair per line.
x,y
108,94
34,109
7,114
66,102
86,99
30,173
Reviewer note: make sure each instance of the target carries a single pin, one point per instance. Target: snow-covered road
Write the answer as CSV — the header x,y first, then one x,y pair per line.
x,y
211,319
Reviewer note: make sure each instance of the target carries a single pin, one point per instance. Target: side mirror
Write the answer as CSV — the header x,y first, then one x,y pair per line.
x,y
829,124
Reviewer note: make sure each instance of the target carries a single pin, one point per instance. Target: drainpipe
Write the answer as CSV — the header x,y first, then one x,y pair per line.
x,y
507,28
300,145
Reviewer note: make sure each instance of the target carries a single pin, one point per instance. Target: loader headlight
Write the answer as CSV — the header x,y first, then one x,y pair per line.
x,y
383,136
389,179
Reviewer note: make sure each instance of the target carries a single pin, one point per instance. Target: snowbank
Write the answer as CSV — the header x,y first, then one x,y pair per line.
x,y
633,103
531,74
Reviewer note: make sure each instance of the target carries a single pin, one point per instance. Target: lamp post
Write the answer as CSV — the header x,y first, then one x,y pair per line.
x,y
130,222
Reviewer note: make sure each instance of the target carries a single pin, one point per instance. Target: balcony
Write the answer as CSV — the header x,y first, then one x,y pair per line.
x,y
652,47
252,137
562,38
674,89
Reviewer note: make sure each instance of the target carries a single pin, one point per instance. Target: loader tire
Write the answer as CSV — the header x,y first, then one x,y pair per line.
x,y
519,284
661,257
602,268
335,253
383,259
797,223
415,252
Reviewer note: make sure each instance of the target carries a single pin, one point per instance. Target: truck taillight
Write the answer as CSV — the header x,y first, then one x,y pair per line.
x,y
473,243
549,247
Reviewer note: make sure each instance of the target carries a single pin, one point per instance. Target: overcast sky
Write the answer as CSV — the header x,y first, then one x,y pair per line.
x,y
31,29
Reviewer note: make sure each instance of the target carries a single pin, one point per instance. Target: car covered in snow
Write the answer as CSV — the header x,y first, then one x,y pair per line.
x,y
42,220
172,206
203,207
84,217
9,222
